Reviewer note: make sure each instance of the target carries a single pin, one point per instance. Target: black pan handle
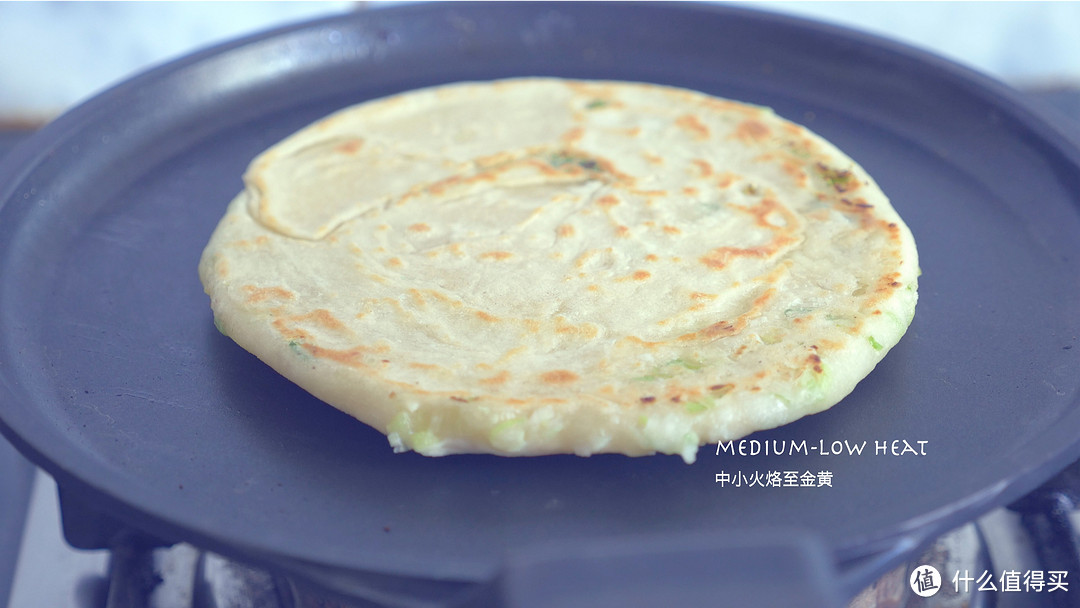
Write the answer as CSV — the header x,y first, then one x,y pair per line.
x,y
766,568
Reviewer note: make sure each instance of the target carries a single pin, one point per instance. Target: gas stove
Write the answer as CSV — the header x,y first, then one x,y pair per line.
x,y
1026,555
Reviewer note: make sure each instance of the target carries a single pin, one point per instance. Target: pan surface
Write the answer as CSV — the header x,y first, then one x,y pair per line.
x,y
113,377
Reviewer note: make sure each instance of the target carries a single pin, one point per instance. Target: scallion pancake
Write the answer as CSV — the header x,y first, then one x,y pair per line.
x,y
539,266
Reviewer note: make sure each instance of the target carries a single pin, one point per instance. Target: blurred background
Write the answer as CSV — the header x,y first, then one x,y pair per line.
x,y
54,54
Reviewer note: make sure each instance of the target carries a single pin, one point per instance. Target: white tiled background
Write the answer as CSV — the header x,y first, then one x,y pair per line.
x,y
54,54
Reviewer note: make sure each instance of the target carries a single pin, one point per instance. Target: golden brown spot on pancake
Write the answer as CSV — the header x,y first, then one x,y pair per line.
x,y
636,341
652,257
609,167
350,147
420,227
697,295
716,330
565,231
544,168
815,362
650,193
622,231
690,191
726,179
672,230
417,298
383,227
266,293
395,262
559,376
761,300
703,166
637,275
352,357
633,131
442,297
499,378
719,258
323,318
486,316
752,131
583,331
424,366
728,328
494,159
888,282
794,170
573,135
652,158
439,187
282,327
892,229
791,128
693,125
608,200
496,255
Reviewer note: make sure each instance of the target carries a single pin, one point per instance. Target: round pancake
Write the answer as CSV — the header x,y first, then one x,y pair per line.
x,y
537,266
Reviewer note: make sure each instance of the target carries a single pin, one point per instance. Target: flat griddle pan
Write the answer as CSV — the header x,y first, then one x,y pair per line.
x,y
114,379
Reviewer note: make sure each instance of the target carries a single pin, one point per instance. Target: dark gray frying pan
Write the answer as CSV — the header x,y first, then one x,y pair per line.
x,y
113,378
